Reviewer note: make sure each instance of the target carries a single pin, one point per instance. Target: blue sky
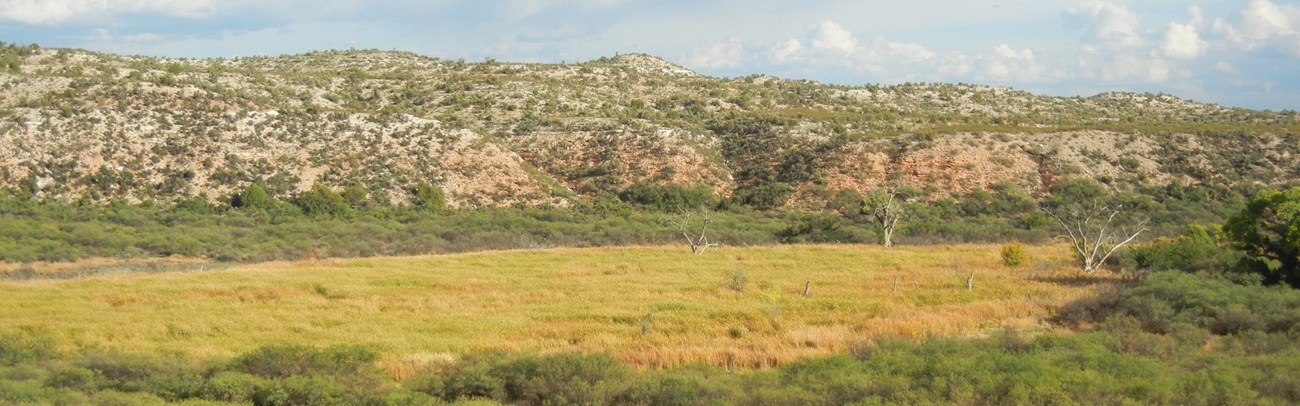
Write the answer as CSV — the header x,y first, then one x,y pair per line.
x,y
1236,53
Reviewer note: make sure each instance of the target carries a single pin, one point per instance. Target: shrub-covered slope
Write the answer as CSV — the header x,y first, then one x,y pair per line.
x,y
76,124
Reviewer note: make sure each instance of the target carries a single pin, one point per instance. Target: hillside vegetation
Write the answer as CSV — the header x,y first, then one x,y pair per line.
x,y
79,125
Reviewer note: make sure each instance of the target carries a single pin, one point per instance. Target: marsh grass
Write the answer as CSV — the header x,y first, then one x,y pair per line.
x,y
649,306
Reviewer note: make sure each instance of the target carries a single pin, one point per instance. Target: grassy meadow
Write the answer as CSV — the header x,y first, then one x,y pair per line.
x,y
648,306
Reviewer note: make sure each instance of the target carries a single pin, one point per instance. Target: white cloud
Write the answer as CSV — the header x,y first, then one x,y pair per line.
x,y
787,52
1129,68
831,45
1224,67
57,11
1182,41
1263,23
1106,22
1006,64
717,56
829,36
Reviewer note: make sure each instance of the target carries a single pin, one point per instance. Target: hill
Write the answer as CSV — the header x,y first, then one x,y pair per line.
x,y
80,125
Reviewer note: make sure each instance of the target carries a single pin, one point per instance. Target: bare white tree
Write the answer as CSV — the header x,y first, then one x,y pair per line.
x,y
886,208
1096,232
686,222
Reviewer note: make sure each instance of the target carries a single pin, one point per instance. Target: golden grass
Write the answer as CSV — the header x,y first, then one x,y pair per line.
x,y
425,310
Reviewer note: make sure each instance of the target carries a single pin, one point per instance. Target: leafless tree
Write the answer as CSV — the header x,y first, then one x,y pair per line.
x,y
1096,231
886,208
687,222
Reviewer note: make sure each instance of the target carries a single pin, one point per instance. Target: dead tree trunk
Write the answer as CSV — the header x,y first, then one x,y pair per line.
x,y
698,240
887,210
1094,234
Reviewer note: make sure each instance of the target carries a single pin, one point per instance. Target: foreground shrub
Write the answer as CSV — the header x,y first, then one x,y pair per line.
x,y
231,386
1013,255
549,379
23,348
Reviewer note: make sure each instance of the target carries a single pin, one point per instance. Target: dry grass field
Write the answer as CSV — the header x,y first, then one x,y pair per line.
x,y
649,306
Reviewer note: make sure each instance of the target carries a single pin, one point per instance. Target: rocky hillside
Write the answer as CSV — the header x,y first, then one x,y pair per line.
x,y
75,124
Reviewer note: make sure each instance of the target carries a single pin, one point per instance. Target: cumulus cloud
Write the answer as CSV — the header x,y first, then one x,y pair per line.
x,y
829,36
1182,41
1263,23
1129,68
787,51
717,56
830,44
1106,22
58,11
1006,63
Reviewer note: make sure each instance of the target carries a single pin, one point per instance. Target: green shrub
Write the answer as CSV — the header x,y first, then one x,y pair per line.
x,y
321,201
72,378
1013,255
695,384
669,197
283,361
123,371
1194,251
18,348
305,391
766,197
230,386
563,379
475,381
430,198
253,197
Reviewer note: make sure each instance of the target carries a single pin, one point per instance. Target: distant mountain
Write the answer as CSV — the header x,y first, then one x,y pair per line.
x,y
76,124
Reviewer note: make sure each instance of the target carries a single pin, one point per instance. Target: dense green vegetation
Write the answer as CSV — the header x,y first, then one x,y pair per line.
x,y
255,226
1174,338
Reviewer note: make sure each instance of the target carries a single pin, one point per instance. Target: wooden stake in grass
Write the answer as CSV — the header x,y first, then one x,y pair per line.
x,y
893,287
807,289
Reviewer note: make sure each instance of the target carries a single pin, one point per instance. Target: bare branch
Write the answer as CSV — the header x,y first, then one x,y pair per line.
x,y
1093,234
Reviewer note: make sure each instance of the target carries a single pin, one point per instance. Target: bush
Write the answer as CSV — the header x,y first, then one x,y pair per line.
x,y
321,201
1013,255
72,378
18,349
253,197
766,197
122,371
1162,302
737,280
283,361
564,379
1194,251
429,198
305,391
669,197
231,386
